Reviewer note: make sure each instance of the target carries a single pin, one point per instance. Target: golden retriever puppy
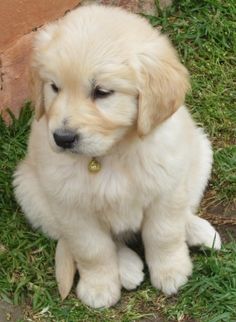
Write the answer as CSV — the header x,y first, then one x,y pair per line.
x,y
112,151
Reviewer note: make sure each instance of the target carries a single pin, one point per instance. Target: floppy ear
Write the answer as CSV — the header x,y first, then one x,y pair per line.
x,y
41,42
162,84
36,87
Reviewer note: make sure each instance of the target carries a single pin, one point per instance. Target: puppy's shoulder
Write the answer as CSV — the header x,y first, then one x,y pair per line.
x,y
175,128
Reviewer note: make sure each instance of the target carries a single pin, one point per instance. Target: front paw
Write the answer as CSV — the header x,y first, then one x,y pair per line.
x,y
169,275
99,291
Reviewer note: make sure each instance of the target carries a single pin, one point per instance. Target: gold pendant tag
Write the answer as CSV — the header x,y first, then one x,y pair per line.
x,y
94,166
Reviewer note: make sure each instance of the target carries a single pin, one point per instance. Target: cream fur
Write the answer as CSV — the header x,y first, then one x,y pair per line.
x,y
155,161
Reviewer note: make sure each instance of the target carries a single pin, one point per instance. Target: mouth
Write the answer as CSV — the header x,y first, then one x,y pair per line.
x,y
73,143
78,150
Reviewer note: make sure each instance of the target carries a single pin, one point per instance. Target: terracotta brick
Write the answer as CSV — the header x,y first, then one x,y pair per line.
x,y
17,20
19,17
14,78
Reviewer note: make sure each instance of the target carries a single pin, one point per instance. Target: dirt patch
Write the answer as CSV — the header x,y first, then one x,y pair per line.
x,y
147,6
10,313
223,217
162,319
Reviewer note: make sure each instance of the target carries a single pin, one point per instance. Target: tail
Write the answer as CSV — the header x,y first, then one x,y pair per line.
x,y
200,232
65,268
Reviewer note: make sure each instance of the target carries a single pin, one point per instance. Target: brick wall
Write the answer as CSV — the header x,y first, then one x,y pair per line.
x,y
18,20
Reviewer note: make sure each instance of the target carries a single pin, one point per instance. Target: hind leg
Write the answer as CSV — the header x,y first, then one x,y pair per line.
x,y
200,232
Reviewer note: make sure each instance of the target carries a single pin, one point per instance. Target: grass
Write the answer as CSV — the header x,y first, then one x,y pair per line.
x,y
203,33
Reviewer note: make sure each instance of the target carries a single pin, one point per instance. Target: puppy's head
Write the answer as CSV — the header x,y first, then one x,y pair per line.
x,y
99,73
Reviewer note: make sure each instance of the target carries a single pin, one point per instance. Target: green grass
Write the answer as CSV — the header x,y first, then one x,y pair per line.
x,y
210,294
203,33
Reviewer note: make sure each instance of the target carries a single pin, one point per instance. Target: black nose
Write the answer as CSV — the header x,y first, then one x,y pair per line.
x,y
65,138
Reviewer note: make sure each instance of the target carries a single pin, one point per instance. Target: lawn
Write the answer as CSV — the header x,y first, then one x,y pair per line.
x,y
204,35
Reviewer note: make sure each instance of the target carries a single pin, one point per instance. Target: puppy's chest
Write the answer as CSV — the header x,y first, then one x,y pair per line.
x,y
113,195
119,203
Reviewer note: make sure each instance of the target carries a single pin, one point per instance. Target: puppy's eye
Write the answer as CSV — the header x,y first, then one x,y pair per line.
x,y
54,88
101,92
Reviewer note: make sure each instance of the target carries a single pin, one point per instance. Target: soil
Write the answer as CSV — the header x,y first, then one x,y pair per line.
x,y
10,313
223,218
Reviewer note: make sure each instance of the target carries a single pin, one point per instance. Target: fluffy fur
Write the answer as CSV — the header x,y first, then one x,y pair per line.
x,y
155,161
